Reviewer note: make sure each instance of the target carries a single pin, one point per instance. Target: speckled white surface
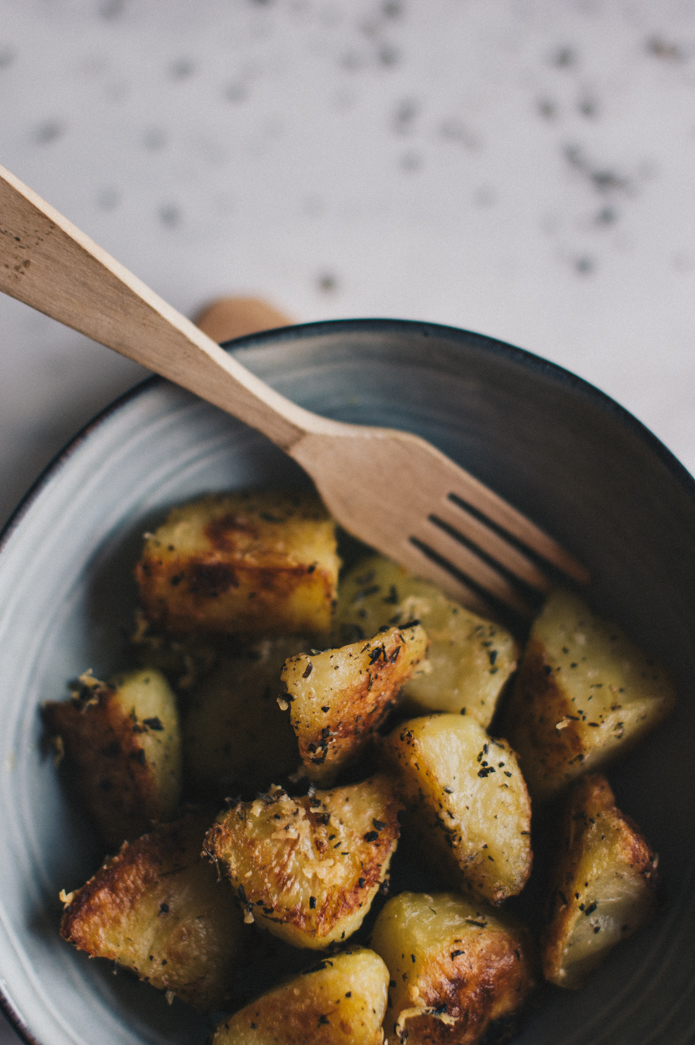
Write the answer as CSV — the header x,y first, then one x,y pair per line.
x,y
519,167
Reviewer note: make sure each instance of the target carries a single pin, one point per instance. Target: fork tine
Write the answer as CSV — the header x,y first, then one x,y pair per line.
x,y
512,560
469,563
472,492
415,559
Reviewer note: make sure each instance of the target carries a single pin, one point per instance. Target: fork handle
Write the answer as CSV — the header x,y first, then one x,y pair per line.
x,y
46,262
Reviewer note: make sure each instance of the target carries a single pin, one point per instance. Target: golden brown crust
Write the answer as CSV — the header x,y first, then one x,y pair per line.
x,y
115,888
455,968
340,1002
307,869
157,908
603,884
254,564
117,781
340,697
205,581
485,983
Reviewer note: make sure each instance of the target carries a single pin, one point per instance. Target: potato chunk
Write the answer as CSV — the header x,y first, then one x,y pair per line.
x,y
184,659
584,695
603,885
341,1001
158,909
467,800
340,697
469,659
235,737
455,968
247,563
308,869
123,738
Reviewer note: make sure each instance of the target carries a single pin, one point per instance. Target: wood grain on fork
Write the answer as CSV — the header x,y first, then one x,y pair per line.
x,y
384,486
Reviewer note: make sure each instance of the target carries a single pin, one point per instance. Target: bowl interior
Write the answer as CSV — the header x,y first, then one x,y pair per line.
x,y
563,453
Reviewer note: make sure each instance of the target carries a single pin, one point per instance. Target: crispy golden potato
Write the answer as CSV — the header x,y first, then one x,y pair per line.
x,y
308,869
262,563
603,884
338,699
235,737
123,737
455,967
584,695
158,909
467,800
469,659
341,1001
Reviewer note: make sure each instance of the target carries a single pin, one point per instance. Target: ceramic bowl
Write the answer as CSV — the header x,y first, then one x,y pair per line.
x,y
562,452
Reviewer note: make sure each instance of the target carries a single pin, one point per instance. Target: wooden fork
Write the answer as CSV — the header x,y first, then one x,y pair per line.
x,y
391,489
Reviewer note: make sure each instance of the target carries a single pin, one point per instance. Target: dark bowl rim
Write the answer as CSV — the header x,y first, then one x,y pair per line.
x,y
483,342
454,335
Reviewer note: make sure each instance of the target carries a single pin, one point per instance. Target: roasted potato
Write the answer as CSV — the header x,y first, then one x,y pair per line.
x,y
185,660
469,659
308,869
339,698
158,909
123,738
261,563
235,737
466,800
584,695
603,884
455,967
341,1001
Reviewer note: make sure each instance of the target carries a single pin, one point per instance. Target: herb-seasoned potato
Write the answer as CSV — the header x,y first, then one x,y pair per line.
x,y
467,800
455,968
246,563
603,885
584,695
235,737
341,1001
158,909
184,659
339,698
469,659
123,737
307,869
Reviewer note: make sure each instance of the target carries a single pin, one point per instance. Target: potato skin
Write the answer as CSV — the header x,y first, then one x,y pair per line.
x,y
466,801
308,869
584,695
341,1001
602,887
124,739
455,967
339,698
259,563
470,658
158,909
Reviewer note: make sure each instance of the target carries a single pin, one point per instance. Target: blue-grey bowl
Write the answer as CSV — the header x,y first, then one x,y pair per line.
x,y
565,454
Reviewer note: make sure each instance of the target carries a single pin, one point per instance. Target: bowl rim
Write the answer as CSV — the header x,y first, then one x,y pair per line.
x,y
483,342
456,337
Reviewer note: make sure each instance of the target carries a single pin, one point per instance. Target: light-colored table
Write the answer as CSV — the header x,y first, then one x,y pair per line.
x,y
524,168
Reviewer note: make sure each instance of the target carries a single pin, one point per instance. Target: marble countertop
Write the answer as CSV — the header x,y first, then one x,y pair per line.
x,y
523,168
